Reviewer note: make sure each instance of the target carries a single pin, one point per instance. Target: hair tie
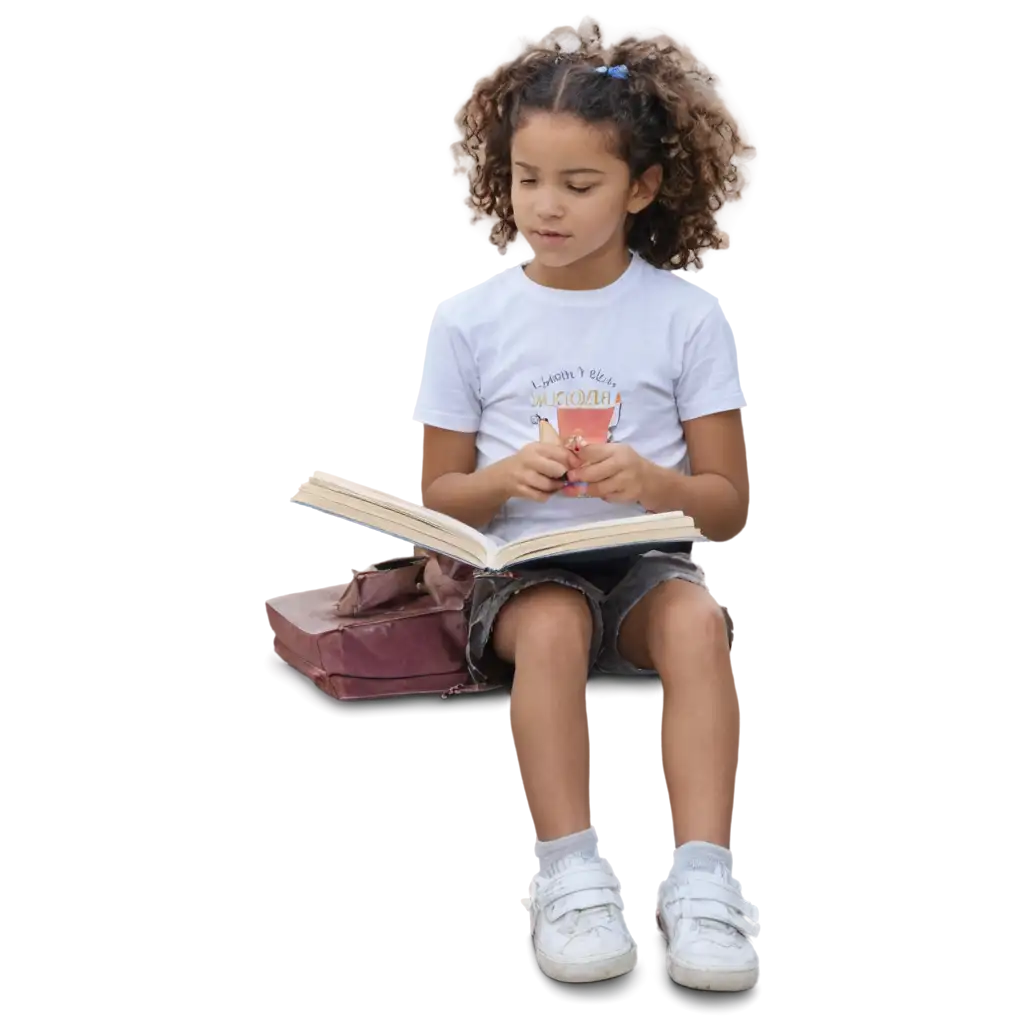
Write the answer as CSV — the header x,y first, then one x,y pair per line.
x,y
619,71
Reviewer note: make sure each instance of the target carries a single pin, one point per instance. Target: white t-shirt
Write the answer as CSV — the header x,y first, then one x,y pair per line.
x,y
513,360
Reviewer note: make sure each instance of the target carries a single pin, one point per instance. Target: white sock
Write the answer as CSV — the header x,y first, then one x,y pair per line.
x,y
699,856
553,852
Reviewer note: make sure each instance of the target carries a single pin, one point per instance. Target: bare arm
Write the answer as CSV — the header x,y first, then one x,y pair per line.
x,y
717,493
450,482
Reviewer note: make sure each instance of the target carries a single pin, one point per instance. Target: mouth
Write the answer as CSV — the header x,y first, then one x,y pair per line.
x,y
551,236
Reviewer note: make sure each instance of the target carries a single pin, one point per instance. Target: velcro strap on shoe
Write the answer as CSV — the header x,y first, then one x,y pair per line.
x,y
580,889
709,899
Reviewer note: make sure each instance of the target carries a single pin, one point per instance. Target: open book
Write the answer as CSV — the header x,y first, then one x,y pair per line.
x,y
438,532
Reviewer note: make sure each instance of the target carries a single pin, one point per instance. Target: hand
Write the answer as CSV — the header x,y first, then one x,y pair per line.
x,y
613,471
535,472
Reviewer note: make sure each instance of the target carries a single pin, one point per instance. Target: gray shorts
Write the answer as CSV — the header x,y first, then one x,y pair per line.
x,y
612,587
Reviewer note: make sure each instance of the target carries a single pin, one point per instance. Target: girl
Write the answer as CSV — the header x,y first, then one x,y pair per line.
x,y
612,164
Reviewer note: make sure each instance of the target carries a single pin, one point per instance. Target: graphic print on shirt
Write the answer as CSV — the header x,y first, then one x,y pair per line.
x,y
575,408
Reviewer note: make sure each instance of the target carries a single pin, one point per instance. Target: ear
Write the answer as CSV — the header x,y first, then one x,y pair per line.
x,y
644,190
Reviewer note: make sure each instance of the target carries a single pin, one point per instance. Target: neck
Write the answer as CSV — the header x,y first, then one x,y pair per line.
x,y
596,270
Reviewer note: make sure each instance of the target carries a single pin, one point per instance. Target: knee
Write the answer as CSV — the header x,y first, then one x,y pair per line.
x,y
546,619
686,618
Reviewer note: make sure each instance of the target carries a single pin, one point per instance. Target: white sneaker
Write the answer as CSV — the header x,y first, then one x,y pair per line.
x,y
707,922
579,933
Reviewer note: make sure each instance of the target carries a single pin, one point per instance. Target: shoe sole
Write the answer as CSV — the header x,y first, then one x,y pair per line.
x,y
580,971
691,976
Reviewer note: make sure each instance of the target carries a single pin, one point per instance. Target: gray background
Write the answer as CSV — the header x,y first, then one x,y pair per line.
x,y
219,237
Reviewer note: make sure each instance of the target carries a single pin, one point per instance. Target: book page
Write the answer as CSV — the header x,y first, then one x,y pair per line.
x,y
395,481
397,517
396,524
390,514
446,523
667,526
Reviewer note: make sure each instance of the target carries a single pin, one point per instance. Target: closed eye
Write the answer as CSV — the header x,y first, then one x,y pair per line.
x,y
577,189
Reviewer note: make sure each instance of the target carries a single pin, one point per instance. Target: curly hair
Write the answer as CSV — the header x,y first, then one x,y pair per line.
x,y
665,112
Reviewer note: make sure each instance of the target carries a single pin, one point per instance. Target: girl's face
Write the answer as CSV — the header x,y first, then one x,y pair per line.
x,y
566,182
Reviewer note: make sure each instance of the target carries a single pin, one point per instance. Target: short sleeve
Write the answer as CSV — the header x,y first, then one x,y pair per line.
x,y
709,381
449,395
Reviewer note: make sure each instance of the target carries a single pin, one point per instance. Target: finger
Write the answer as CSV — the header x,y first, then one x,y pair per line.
x,y
556,452
608,491
525,489
593,453
549,468
618,497
540,482
533,495
595,473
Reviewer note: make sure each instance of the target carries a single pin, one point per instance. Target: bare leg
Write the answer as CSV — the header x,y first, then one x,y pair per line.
x,y
680,630
546,632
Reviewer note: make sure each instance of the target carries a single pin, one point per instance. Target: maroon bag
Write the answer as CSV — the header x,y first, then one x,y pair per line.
x,y
397,628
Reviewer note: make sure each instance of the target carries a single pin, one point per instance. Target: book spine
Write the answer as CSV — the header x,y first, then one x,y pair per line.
x,y
492,555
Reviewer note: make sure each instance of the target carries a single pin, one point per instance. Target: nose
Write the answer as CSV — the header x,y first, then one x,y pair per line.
x,y
548,204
